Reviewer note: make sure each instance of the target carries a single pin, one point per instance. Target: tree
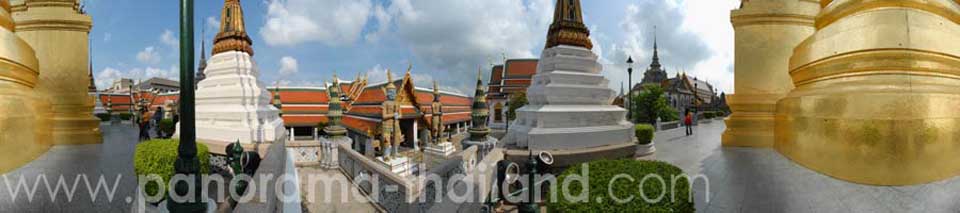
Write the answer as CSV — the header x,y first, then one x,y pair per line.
x,y
518,100
651,104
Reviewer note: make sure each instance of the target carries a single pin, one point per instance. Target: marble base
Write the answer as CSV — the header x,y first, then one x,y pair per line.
x,y
400,166
231,104
443,149
646,149
98,105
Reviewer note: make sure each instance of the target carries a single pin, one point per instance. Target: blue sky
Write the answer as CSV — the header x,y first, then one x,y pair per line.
x,y
303,42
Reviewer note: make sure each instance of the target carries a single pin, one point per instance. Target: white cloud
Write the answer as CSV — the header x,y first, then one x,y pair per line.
x,y
149,55
378,74
213,24
107,37
288,66
331,22
170,39
457,36
105,78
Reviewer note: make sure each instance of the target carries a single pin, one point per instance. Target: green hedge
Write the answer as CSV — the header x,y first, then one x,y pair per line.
x,y
158,156
644,133
125,116
602,172
103,116
709,115
167,126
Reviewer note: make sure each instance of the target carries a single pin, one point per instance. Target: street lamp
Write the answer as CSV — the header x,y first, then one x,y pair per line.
x,y
507,102
187,162
626,100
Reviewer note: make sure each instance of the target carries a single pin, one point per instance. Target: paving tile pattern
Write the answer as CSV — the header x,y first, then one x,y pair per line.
x,y
762,180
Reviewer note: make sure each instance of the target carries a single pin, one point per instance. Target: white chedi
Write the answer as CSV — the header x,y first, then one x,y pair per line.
x,y
569,105
231,104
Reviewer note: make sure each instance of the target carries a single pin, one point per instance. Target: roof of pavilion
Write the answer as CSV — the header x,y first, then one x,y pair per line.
x,y
513,77
308,106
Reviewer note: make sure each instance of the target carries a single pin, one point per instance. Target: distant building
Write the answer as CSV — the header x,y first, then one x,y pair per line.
x,y
159,85
305,107
120,86
682,92
506,80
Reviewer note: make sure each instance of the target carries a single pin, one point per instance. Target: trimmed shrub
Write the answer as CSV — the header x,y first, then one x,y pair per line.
x,y
125,116
157,157
104,116
167,126
644,133
676,194
709,115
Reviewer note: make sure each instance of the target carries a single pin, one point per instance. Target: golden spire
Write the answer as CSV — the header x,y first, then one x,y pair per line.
x,y
233,35
568,27
390,81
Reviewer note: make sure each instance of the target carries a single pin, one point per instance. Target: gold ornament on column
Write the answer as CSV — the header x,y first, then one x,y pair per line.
x,y
766,31
21,125
59,32
877,91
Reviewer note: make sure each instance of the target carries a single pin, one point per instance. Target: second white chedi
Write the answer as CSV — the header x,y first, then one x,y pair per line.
x,y
232,104
569,105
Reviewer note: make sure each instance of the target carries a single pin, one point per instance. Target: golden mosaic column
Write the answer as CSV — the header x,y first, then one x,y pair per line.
x,y
19,124
766,31
58,32
878,93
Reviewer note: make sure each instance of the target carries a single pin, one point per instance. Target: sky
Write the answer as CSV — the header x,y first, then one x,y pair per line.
x,y
306,42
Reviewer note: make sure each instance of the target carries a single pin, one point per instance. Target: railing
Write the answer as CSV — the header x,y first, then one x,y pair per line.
x,y
272,168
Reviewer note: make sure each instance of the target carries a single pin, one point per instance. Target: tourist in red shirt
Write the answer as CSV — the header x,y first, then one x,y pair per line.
x,y
688,121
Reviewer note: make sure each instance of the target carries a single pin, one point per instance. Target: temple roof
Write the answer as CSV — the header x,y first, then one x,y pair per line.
x,y
567,27
233,35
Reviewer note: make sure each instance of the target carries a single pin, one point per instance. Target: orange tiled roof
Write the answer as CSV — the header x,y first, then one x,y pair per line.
x,y
496,75
360,125
311,120
521,67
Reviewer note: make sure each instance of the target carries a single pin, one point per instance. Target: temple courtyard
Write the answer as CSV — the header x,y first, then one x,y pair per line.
x,y
740,179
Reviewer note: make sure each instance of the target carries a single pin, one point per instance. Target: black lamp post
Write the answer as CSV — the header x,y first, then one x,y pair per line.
x,y
508,117
627,99
187,162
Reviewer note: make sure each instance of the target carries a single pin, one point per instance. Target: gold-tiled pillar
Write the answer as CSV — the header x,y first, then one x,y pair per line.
x,y
766,31
877,97
20,142
58,32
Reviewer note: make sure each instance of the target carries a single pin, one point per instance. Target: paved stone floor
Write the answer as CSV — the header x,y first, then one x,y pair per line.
x,y
76,164
761,180
328,193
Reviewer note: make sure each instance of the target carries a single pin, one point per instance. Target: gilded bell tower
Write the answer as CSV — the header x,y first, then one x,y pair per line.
x,y
20,123
233,34
59,33
568,27
877,90
765,33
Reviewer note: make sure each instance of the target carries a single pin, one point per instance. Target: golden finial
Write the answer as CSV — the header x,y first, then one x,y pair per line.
x,y
390,80
479,73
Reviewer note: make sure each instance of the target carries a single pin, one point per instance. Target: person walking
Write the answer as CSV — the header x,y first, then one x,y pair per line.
x,y
155,121
144,124
688,121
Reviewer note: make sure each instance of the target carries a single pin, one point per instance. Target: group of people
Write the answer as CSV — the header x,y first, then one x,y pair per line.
x,y
150,120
